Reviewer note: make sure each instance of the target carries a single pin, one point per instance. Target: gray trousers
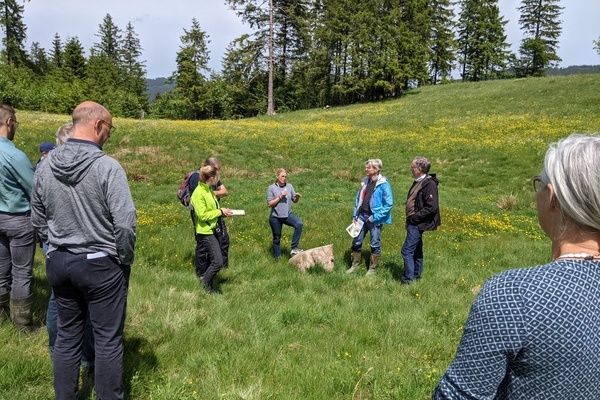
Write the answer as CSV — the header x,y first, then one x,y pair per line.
x,y
17,249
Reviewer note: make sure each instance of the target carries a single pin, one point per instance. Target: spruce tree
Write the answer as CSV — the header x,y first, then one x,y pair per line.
x,y
56,53
15,32
133,70
482,43
110,40
442,48
541,28
192,63
74,62
39,59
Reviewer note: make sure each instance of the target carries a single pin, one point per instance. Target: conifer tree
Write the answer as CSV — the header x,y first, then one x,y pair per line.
x,y
110,40
39,60
133,69
442,49
56,53
15,32
481,40
541,28
192,63
74,62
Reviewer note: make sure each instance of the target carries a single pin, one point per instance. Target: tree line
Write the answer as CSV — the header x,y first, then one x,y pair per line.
x,y
319,52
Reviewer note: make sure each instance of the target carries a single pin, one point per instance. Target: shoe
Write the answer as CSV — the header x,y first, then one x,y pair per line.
x,y
295,251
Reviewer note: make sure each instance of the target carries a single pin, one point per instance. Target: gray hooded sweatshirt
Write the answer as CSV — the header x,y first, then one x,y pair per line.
x,y
81,201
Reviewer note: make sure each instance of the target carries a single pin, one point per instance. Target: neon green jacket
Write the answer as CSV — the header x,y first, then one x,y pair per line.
x,y
206,209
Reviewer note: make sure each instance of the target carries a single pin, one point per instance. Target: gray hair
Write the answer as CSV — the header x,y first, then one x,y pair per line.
x,y
572,166
63,133
375,163
422,163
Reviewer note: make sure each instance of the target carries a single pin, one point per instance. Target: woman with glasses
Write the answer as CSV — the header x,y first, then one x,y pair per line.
x,y
207,215
534,333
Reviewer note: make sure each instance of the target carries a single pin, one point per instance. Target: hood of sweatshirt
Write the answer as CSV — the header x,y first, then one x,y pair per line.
x,y
70,162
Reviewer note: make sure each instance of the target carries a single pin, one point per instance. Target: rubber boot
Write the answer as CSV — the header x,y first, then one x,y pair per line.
x,y
355,256
20,313
4,306
373,264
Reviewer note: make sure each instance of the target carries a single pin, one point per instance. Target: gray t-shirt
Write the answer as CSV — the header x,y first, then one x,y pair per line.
x,y
284,207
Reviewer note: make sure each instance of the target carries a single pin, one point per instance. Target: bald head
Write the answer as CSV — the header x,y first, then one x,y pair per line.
x,y
92,122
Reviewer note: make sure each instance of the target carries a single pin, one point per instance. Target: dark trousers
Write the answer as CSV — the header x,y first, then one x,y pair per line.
x,y
17,249
88,354
202,253
214,258
96,284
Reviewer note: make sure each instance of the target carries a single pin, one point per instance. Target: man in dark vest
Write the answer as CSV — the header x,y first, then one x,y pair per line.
x,y
422,214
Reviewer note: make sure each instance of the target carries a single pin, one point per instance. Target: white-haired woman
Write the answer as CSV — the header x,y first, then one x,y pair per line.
x,y
534,333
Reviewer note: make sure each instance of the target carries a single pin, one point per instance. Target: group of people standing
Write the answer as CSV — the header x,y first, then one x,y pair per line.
x,y
373,207
78,204
532,333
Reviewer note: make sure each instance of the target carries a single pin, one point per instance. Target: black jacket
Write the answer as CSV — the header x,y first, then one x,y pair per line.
x,y
427,217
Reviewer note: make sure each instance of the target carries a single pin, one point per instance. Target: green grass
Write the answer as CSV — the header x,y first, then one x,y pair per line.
x,y
276,333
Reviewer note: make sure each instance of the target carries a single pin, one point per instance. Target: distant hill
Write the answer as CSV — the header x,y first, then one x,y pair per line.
x,y
157,85
574,69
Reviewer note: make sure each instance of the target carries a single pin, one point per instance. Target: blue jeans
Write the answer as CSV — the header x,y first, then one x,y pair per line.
x,y
412,254
85,283
87,352
277,226
17,249
373,230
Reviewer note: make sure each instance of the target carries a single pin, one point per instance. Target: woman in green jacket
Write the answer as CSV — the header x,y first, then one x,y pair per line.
x,y
207,216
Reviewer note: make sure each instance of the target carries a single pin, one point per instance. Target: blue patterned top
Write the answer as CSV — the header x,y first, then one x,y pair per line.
x,y
533,333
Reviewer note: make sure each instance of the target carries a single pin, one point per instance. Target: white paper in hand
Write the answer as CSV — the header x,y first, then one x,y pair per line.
x,y
354,228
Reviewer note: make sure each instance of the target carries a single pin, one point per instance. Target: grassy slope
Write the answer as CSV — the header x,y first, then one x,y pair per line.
x,y
275,333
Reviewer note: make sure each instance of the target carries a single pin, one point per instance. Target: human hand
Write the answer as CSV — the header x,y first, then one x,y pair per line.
x,y
283,193
227,212
297,197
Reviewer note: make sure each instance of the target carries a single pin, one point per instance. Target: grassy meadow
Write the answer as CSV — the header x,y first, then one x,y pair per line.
x,y
275,333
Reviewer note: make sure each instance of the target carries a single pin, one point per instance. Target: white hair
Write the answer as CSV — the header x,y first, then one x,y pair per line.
x,y
375,163
572,166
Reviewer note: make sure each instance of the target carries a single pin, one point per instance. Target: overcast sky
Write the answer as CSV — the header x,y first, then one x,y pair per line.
x,y
160,24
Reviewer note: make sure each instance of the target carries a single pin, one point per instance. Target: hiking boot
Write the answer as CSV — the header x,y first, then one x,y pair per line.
x,y
373,264
295,251
355,256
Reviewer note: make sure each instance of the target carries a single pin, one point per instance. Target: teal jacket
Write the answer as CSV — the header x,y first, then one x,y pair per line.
x,y
206,209
16,178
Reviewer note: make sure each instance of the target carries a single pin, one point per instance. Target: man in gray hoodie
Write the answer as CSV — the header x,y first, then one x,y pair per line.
x,y
82,207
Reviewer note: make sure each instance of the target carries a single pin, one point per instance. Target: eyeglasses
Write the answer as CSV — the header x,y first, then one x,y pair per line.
x,y
111,128
537,183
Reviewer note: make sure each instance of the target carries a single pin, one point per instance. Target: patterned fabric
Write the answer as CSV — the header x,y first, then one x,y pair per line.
x,y
532,333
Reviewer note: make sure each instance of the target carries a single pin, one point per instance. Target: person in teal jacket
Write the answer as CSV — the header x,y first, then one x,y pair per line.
x,y
17,240
373,207
208,223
